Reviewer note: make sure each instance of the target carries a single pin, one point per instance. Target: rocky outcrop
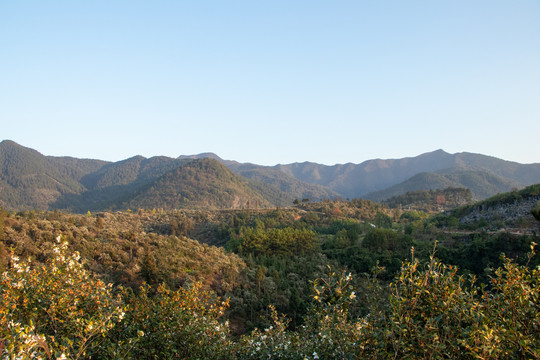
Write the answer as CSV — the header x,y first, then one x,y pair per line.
x,y
512,214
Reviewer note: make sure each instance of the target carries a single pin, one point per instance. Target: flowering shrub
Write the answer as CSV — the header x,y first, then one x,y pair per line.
x,y
172,324
274,342
58,310
430,309
55,310
22,342
433,313
328,332
331,332
510,322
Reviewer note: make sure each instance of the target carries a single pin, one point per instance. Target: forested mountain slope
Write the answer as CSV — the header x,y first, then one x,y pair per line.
x,y
200,183
30,180
351,180
286,188
482,183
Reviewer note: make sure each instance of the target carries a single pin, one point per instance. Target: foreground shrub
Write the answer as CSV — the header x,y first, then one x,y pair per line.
x,y
437,314
432,313
181,324
509,327
56,309
328,332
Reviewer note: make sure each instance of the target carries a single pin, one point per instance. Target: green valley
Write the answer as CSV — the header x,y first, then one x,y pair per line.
x,y
328,279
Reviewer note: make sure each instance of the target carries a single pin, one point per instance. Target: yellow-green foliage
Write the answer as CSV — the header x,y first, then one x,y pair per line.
x,y
431,311
510,325
115,246
59,310
433,314
277,241
182,324
56,309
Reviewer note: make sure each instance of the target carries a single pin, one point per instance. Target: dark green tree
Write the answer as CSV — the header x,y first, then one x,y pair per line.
x,y
536,211
149,270
2,216
261,274
383,221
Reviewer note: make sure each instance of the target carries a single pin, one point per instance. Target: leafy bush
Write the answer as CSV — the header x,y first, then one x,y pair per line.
x,y
287,241
171,324
56,309
433,313
437,314
59,310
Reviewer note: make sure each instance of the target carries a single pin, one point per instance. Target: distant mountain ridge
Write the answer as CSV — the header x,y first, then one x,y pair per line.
x,y
482,183
200,183
358,180
30,180
353,180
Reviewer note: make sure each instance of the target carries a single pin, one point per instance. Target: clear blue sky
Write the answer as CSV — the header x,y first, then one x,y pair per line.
x,y
271,81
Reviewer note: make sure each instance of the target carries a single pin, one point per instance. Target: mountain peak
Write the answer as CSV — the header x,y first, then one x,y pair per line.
x,y
12,145
200,183
30,180
440,152
209,155
8,143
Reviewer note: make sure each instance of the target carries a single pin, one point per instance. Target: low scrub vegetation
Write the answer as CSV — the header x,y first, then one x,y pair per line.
x,y
58,310
335,279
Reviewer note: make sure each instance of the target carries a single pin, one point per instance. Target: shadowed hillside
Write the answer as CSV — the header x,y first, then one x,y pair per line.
x,y
351,180
482,184
200,183
30,180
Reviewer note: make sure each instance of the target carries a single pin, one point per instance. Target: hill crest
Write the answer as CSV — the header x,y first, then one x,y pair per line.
x,y
30,180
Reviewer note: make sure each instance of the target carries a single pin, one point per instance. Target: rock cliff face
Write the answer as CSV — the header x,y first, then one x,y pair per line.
x,y
512,214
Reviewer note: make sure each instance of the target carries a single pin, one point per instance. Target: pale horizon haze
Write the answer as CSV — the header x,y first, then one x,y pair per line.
x,y
271,82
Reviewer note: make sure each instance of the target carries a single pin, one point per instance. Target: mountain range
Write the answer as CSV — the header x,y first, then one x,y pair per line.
x,y
31,180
